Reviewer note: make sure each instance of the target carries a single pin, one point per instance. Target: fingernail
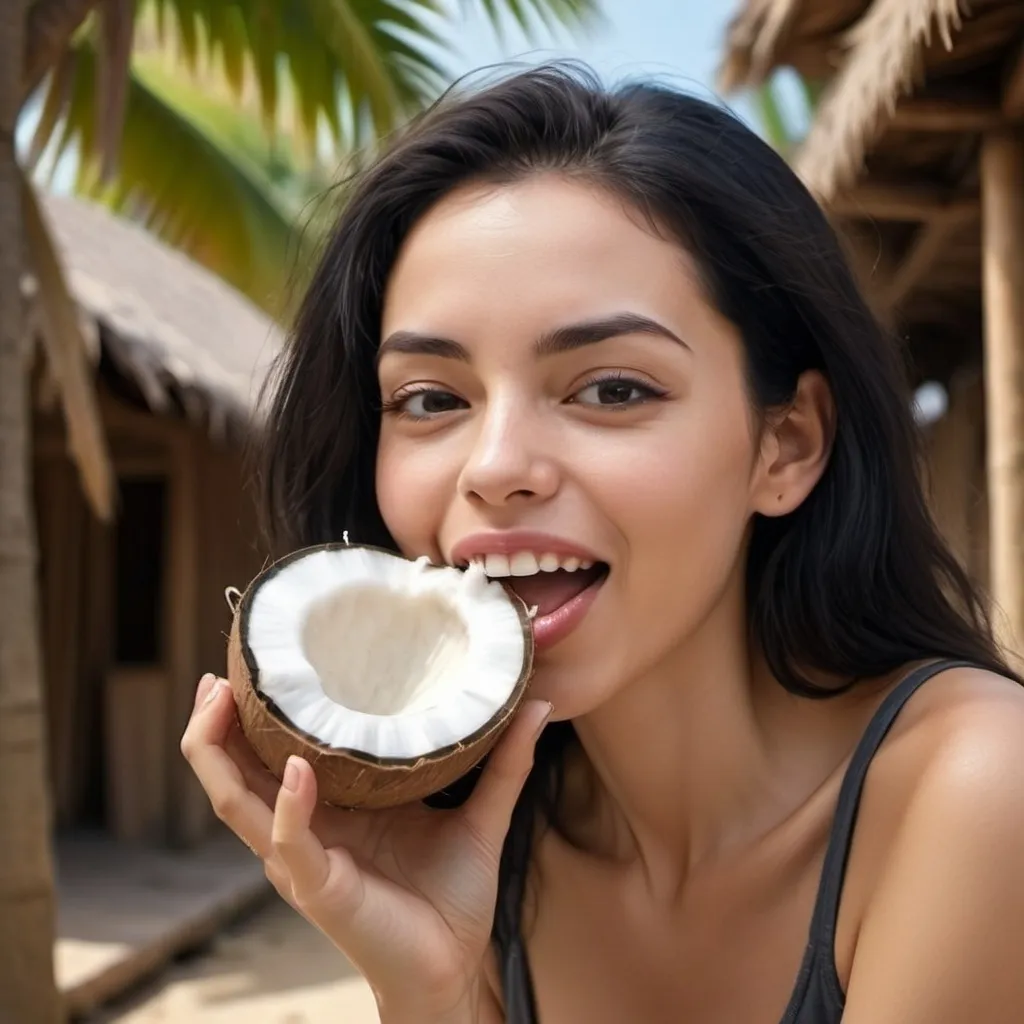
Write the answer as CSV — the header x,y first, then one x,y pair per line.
x,y
291,774
218,685
202,689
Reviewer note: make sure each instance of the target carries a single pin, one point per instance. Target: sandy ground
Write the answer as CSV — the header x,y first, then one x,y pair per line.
x,y
270,968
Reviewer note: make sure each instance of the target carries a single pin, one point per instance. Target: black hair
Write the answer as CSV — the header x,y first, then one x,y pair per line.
x,y
857,581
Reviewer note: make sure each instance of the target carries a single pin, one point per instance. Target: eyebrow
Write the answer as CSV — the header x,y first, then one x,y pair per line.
x,y
561,339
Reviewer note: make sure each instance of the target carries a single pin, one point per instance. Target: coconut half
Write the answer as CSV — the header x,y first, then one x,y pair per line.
x,y
392,677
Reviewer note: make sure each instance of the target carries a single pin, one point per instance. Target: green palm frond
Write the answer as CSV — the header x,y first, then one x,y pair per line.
x,y
528,13
272,161
219,161
177,178
357,66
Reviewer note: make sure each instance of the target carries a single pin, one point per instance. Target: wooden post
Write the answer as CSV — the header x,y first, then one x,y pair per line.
x,y
1002,175
953,452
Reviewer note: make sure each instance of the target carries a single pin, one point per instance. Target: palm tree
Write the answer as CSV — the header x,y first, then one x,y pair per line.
x,y
347,70
26,889
310,80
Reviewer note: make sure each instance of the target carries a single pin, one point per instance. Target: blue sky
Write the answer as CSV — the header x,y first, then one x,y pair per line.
x,y
677,41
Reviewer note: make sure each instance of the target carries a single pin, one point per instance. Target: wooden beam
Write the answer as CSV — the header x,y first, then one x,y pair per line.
x,y
928,243
1002,171
134,467
924,114
882,201
122,418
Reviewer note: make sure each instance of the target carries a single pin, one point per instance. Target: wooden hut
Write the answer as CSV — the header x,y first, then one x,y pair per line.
x,y
134,612
917,151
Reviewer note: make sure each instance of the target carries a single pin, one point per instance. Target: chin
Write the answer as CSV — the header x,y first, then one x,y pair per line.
x,y
572,686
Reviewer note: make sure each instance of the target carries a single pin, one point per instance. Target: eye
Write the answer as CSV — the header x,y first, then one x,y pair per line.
x,y
616,391
423,403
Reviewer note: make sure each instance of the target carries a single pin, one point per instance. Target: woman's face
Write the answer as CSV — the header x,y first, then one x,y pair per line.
x,y
556,384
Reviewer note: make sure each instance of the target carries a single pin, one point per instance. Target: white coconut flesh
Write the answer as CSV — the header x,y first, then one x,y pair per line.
x,y
370,652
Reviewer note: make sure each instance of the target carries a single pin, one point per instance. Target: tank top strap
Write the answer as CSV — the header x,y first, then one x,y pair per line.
x,y
506,934
826,909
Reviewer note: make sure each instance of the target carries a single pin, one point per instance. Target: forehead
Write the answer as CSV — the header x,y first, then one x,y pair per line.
x,y
546,248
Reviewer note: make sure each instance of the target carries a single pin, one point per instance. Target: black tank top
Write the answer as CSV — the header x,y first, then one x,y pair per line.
x,y
817,996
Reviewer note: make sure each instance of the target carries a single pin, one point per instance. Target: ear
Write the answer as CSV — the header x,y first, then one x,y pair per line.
x,y
795,447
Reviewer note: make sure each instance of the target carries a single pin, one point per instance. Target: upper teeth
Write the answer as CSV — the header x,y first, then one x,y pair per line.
x,y
526,563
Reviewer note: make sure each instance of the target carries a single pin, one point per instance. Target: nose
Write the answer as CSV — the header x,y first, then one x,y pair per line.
x,y
507,463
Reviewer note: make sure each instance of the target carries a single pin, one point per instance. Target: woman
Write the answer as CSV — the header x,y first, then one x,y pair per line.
x,y
614,327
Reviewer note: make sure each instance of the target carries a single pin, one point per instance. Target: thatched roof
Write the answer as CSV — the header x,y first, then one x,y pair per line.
x,y
874,56
946,49
805,34
911,88
184,338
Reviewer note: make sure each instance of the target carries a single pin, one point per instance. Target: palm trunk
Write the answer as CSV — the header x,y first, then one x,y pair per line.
x,y
28,993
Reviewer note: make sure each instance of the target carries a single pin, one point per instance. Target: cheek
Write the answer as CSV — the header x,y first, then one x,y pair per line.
x,y
682,503
414,486
678,498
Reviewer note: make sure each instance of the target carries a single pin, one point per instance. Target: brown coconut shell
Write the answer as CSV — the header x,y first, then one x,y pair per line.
x,y
353,778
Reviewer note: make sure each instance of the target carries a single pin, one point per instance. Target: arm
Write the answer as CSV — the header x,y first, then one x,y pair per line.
x,y
942,939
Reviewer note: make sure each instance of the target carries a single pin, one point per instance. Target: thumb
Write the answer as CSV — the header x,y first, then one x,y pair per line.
x,y
488,811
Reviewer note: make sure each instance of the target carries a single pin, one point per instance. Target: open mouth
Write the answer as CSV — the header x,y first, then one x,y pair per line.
x,y
559,590
549,591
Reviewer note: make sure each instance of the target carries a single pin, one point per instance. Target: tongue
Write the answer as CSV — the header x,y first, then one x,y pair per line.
x,y
550,590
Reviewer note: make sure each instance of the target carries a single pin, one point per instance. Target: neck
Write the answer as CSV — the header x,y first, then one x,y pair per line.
x,y
697,757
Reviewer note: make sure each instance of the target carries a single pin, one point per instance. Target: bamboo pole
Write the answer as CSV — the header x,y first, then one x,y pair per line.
x,y
1002,171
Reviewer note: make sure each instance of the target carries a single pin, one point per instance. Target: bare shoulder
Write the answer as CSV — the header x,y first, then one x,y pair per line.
x,y
963,740
944,840
961,733
952,764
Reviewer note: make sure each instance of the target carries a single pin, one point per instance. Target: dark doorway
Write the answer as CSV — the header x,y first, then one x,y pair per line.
x,y
139,571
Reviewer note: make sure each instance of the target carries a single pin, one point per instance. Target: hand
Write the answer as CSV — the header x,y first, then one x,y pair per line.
x,y
406,894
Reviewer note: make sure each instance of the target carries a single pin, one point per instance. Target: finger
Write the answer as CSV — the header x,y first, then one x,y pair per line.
x,y
234,803
294,843
257,776
205,683
488,810
330,824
